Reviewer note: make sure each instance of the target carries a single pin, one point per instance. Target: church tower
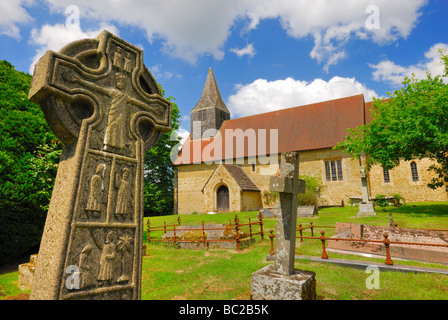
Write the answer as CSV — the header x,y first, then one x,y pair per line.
x,y
210,112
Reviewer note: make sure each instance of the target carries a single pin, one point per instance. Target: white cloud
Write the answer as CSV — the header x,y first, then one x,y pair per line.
x,y
191,28
195,27
13,13
264,96
54,37
249,50
394,74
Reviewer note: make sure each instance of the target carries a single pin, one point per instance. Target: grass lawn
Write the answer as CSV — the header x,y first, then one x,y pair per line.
x,y
170,273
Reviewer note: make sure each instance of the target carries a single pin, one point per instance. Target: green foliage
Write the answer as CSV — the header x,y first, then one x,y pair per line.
x,y
381,200
159,173
398,199
413,123
28,163
310,197
270,197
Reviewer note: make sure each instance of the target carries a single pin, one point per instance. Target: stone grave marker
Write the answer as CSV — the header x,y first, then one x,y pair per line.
x,y
281,281
366,207
104,105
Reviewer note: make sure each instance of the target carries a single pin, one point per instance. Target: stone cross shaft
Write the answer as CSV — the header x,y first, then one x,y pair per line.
x,y
288,185
104,105
364,185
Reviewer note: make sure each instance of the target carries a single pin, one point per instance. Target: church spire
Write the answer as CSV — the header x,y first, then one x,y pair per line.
x,y
210,112
211,97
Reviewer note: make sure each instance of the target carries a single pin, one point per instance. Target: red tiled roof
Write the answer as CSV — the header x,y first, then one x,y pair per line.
x,y
315,126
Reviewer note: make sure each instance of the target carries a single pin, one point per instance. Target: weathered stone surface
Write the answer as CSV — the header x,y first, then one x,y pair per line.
x,y
281,281
306,211
366,210
267,284
26,273
402,251
287,219
104,105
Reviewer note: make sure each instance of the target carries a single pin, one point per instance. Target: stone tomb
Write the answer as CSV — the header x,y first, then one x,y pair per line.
x,y
107,109
400,251
213,232
281,281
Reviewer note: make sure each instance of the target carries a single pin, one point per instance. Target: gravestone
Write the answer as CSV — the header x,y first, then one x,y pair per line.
x,y
104,105
307,211
281,281
366,207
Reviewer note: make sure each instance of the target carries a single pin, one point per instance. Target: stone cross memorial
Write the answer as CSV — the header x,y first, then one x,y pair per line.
x,y
104,105
281,281
366,207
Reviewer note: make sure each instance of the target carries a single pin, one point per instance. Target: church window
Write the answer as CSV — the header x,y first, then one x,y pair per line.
x,y
333,170
414,171
339,166
327,170
386,176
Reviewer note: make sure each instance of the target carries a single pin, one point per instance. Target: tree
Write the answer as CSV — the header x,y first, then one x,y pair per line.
x,y
411,123
29,154
159,173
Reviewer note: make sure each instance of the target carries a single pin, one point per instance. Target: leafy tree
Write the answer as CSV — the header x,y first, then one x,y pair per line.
x,y
412,123
29,153
159,173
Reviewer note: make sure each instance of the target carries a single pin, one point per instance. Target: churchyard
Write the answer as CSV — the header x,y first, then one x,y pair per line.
x,y
224,274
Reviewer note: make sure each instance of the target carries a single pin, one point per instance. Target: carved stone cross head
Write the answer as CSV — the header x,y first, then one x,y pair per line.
x,y
104,82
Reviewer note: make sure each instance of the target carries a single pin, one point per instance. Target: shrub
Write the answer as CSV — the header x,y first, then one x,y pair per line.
x,y
381,200
310,197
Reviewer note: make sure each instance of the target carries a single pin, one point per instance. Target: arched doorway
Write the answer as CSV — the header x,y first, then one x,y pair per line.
x,y
222,197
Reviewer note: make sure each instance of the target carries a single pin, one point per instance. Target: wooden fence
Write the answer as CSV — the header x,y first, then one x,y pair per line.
x,y
234,226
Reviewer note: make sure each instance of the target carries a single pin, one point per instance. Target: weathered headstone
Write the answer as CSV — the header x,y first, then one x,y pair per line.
x,y
107,109
307,211
366,207
281,281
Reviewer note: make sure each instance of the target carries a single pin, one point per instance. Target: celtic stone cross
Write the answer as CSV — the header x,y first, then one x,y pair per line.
x,y
104,105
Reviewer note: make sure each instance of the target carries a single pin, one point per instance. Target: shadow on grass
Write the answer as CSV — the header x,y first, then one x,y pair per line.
x,y
421,209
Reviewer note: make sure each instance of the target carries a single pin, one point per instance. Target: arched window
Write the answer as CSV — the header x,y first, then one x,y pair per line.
x,y
414,171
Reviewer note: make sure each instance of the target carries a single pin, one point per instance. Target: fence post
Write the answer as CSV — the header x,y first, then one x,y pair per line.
x,y
148,223
312,227
250,230
260,217
178,220
237,233
324,252
174,235
203,234
164,226
271,236
386,242
300,230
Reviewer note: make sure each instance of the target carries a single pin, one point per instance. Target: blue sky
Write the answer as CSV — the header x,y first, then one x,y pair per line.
x,y
266,55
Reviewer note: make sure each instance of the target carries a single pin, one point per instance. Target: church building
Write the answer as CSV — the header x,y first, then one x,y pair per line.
x,y
225,164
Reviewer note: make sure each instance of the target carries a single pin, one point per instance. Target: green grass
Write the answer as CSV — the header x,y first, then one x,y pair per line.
x,y
171,273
